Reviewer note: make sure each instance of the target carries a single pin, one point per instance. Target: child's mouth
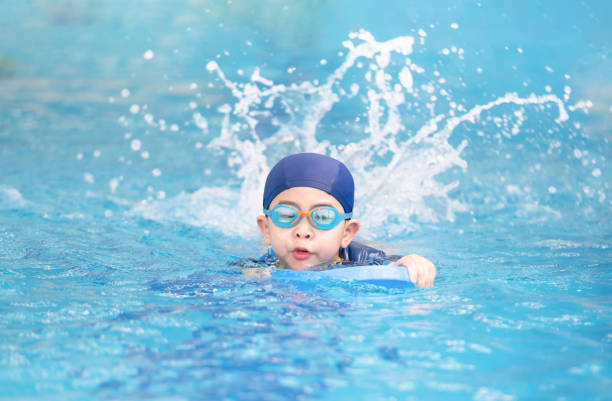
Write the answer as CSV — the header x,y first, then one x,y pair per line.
x,y
301,253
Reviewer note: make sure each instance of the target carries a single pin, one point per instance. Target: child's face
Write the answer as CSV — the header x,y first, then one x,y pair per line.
x,y
303,246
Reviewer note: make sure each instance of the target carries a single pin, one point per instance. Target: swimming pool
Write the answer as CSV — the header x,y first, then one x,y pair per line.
x,y
134,141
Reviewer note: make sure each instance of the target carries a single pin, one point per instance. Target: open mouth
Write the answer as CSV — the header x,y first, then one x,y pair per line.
x,y
301,253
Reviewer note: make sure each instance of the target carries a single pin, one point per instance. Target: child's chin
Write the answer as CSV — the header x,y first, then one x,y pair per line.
x,y
309,264
305,264
299,266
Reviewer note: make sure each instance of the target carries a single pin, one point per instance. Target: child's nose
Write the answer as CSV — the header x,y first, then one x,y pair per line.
x,y
303,229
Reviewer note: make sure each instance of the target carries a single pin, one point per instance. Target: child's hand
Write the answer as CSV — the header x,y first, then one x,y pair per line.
x,y
422,272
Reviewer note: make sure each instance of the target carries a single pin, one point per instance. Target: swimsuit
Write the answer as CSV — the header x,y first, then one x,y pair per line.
x,y
359,254
354,255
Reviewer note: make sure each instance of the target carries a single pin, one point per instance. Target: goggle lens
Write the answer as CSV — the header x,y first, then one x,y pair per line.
x,y
324,216
286,215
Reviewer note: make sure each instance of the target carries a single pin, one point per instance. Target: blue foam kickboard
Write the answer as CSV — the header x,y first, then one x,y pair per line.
x,y
386,275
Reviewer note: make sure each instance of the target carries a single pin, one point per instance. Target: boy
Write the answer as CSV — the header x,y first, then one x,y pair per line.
x,y
307,220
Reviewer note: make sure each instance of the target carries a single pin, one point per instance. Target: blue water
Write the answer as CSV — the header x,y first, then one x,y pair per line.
x,y
134,140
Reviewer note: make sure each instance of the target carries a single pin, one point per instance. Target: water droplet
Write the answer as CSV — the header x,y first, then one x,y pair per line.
x,y
113,184
135,144
405,78
89,178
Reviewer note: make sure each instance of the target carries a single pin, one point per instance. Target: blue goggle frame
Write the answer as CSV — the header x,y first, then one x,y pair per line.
x,y
321,217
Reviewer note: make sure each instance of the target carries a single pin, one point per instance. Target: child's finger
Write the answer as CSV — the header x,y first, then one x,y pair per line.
x,y
412,273
426,276
420,270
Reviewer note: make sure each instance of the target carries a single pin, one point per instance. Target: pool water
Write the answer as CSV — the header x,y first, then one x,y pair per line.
x,y
134,143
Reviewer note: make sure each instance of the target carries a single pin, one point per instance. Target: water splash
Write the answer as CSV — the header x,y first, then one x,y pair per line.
x,y
396,152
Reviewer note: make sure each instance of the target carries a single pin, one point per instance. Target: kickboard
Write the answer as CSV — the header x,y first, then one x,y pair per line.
x,y
385,275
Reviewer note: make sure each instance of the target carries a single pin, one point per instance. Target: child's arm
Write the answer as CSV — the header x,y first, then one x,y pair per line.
x,y
422,272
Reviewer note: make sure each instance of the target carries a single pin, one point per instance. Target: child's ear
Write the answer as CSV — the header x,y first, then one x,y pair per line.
x,y
262,223
350,230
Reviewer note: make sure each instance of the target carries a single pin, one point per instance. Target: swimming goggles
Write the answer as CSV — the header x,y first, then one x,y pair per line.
x,y
321,217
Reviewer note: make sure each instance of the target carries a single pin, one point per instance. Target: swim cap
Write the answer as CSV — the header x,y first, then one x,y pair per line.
x,y
311,170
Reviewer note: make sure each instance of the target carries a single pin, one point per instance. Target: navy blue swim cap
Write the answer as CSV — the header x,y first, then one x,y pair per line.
x,y
311,170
